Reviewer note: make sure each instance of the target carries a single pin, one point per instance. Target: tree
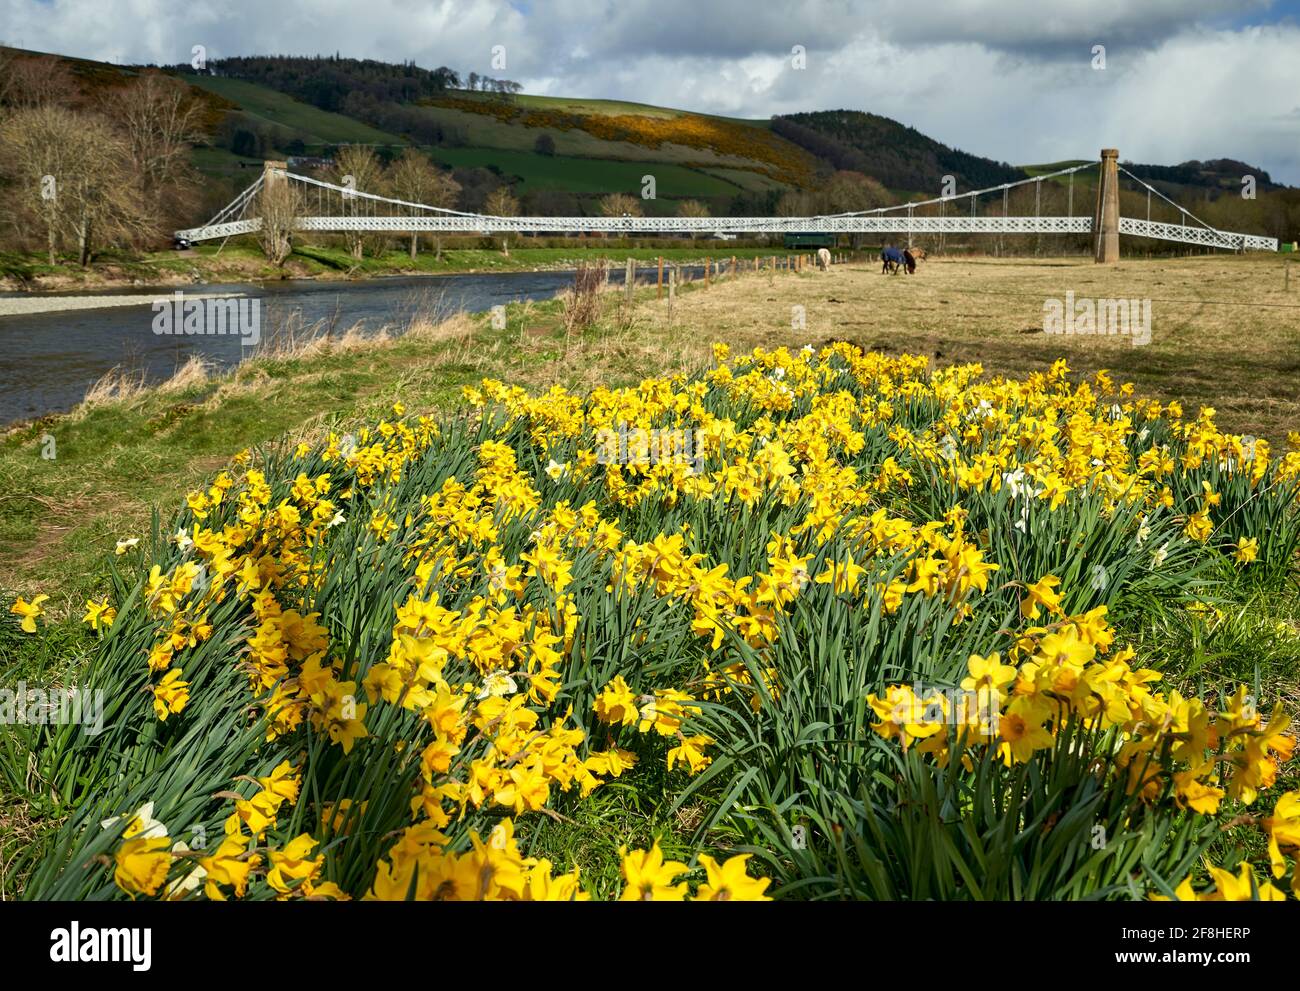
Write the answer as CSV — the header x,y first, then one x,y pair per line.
x,y
692,208
71,173
278,204
38,82
544,145
620,205
413,178
502,203
245,143
795,204
161,121
357,168
847,192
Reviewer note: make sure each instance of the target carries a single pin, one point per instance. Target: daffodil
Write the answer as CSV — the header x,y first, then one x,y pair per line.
x,y
649,877
730,882
28,611
98,613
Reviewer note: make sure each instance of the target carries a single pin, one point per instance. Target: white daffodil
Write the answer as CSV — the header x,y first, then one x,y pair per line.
x,y
498,683
142,823
191,881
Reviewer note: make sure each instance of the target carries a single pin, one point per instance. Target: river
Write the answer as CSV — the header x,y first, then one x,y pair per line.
x,y
48,360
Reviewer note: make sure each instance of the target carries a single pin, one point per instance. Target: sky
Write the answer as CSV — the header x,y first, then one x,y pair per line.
x,y
1014,80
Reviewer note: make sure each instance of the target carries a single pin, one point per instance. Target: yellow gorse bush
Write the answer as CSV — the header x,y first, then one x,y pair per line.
x,y
779,158
439,630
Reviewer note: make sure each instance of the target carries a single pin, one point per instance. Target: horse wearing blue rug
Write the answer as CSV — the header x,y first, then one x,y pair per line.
x,y
893,258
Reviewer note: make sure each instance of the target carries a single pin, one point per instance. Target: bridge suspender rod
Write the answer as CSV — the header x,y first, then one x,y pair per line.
x,y
1038,212
1151,189
371,196
973,193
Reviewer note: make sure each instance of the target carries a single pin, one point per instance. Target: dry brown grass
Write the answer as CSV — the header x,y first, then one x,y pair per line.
x,y
195,372
1225,333
458,326
116,385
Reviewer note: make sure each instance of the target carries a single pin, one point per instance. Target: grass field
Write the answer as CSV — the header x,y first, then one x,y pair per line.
x,y
1224,334
313,125
240,261
617,107
588,175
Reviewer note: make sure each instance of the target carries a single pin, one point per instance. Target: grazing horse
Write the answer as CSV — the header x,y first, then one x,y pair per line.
x,y
823,259
909,261
891,258
918,253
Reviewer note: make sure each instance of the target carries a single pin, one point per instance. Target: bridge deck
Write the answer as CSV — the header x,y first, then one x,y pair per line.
x,y
869,224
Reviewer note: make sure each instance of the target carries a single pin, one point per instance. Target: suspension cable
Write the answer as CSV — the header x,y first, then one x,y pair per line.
x,y
973,193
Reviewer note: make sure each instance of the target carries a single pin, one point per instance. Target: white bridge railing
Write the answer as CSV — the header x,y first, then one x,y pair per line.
x,y
746,225
1196,235
361,211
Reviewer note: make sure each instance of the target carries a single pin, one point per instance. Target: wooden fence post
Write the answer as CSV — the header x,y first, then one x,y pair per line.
x,y
659,290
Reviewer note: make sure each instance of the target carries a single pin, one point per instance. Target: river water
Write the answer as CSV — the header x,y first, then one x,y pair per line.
x,y
48,360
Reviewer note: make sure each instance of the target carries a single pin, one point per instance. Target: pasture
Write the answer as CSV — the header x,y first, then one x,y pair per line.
x,y
588,175
1225,330
280,111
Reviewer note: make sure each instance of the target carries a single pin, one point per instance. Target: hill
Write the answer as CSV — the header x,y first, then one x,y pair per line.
x,y
561,154
899,156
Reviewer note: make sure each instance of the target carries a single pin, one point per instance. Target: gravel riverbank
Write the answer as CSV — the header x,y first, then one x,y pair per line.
x,y
13,306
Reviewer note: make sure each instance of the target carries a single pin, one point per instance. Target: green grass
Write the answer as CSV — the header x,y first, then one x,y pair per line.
x,y
1250,636
574,105
240,260
278,109
588,175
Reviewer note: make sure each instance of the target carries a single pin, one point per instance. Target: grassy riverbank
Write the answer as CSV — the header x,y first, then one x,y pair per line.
x,y
1225,334
209,263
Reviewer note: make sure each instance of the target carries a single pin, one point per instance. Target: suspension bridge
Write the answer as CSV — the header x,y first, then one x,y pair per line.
x,y
329,207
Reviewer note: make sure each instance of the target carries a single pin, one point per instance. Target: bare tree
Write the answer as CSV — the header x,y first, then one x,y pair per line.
x,y
502,203
795,204
413,178
620,205
694,209
278,204
71,173
38,82
357,167
161,121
